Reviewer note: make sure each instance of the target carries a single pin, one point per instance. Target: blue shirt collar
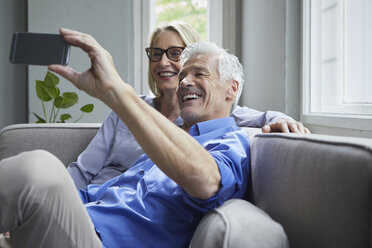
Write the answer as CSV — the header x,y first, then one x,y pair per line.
x,y
211,125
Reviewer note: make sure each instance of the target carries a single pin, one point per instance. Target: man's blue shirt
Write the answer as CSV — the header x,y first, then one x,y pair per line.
x,y
114,149
143,207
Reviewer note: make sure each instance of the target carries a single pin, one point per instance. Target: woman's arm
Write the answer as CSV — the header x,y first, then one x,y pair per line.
x,y
94,157
269,121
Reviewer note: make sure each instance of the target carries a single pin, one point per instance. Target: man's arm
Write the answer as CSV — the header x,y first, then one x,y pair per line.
x,y
269,121
173,150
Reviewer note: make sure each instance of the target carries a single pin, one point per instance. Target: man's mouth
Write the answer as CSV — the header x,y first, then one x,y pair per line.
x,y
167,74
189,97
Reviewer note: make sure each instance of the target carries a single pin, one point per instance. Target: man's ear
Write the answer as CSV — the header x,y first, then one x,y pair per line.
x,y
233,89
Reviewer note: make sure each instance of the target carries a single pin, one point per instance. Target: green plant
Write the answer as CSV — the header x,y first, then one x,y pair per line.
x,y
47,91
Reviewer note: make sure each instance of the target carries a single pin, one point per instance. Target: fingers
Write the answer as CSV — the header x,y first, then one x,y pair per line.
x,y
277,126
283,127
66,72
293,127
286,126
99,57
300,127
84,41
66,31
266,129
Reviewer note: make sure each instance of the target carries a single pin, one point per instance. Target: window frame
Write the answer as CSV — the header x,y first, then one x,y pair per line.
x,y
143,23
347,121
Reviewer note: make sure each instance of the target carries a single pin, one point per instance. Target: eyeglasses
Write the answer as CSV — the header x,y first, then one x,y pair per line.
x,y
155,54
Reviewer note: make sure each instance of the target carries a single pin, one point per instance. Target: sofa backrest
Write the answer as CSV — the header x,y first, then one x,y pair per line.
x,y
318,187
65,140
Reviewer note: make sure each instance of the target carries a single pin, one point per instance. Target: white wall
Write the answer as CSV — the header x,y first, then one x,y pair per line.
x,y
13,85
110,22
270,55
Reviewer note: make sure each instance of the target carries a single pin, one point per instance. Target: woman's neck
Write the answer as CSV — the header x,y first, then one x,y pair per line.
x,y
168,106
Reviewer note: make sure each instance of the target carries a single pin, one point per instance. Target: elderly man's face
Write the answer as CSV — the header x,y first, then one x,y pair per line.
x,y
201,94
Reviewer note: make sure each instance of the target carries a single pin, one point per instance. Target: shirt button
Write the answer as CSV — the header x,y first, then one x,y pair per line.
x,y
141,172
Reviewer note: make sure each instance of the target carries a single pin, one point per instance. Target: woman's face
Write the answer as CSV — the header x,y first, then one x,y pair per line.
x,y
165,71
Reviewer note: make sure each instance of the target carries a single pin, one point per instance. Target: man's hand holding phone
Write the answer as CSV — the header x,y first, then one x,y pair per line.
x,y
101,78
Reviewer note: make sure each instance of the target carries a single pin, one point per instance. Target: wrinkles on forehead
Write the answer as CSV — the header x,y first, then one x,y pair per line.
x,y
204,62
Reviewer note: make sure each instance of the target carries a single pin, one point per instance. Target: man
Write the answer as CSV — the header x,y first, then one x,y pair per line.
x,y
162,197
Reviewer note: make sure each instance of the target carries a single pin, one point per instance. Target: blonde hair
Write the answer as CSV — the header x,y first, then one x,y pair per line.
x,y
188,35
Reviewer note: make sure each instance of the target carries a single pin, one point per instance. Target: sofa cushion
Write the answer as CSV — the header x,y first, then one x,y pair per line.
x,y
237,223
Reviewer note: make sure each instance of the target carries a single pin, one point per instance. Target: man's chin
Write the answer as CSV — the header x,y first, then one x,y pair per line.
x,y
190,117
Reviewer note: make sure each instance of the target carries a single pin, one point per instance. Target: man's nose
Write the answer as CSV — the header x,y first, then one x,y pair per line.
x,y
186,82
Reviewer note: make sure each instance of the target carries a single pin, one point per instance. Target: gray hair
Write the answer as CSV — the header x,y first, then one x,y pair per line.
x,y
229,67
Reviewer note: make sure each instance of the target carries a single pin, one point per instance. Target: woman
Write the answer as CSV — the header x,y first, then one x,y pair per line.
x,y
163,71
113,150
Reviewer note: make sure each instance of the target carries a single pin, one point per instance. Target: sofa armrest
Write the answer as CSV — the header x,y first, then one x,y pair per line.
x,y
318,187
64,140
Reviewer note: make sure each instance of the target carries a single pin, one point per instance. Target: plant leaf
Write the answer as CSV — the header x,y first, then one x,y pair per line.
x,y
46,93
66,100
41,93
70,98
39,119
65,117
87,108
58,101
51,80
53,91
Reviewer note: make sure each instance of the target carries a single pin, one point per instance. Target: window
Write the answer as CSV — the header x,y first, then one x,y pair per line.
x,y
337,62
194,12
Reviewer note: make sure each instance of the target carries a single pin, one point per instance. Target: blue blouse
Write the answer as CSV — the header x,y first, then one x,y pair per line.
x,y
145,208
114,149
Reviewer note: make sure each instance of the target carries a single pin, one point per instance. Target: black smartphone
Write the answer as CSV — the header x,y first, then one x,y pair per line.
x,y
39,49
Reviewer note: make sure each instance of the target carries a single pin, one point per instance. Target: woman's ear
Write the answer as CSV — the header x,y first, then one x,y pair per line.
x,y
233,89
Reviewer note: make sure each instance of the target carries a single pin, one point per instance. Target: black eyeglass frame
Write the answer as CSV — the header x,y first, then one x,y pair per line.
x,y
148,49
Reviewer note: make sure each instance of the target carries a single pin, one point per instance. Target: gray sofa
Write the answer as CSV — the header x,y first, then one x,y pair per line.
x,y
318,187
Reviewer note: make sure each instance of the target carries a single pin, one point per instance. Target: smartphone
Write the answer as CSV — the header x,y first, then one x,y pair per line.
x,y
39,49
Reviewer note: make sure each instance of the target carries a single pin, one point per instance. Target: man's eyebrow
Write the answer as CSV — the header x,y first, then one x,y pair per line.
x,y
199,68
193,68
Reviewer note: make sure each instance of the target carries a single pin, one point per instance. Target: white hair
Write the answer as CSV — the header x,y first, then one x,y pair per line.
x,y
229,67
